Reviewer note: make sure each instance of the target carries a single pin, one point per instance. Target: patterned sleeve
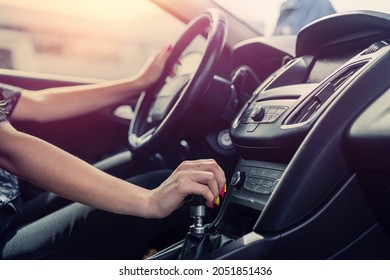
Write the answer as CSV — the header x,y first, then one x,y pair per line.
x,y
3,117
9,96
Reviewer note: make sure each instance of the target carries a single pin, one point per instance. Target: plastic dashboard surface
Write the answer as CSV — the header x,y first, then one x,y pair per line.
x,y
283,109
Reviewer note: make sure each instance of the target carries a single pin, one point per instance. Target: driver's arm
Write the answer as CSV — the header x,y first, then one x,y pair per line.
x,y
66,102
57,171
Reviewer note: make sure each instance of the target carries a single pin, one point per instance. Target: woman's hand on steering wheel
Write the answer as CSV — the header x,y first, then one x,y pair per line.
x,y
154,67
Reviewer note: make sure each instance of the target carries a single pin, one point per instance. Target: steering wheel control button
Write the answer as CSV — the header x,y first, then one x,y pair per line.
x,y
238,179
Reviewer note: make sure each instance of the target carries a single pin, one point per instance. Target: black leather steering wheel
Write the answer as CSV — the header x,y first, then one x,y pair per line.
x,y
161,109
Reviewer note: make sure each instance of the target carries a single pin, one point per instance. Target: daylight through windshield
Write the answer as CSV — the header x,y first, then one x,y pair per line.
x,y
263,15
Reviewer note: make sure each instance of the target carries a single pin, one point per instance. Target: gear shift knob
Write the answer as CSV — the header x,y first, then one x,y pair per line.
x,y
198,212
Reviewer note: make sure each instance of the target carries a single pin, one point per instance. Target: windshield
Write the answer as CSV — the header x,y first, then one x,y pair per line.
x,y
100,39
281,17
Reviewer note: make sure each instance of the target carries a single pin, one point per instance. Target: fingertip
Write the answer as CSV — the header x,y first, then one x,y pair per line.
x,y
211,203
223,190
217,201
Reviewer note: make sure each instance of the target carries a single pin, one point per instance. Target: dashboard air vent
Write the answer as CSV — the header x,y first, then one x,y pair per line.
x,y
321,95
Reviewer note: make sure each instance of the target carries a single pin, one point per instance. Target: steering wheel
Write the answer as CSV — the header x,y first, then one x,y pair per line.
x,y
161,109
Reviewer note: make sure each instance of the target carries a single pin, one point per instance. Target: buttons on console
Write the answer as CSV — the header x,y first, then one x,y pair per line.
x,y
260,180
259,114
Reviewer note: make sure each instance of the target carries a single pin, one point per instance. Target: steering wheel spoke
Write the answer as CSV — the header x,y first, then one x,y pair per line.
x,y
144,138
167,97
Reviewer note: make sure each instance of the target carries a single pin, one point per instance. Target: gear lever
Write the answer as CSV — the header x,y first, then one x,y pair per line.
x,y
198,212
197,240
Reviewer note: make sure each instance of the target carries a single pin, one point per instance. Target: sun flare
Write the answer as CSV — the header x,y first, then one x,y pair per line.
x,y
111,10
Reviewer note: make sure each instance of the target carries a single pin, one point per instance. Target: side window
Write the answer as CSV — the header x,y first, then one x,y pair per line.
x,y
97,40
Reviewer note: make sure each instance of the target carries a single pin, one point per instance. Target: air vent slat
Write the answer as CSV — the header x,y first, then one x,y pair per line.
x,y
305,112
340,80
325,93
312,104
311,110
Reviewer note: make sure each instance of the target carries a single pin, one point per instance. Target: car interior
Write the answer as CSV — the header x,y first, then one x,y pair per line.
x,y
300,125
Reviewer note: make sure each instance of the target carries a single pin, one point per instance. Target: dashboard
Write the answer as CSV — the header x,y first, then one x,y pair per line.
x,y
283,108
271,129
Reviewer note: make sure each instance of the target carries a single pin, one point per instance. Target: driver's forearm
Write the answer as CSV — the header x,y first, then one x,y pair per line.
x,y
66,102
60,103
68,176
